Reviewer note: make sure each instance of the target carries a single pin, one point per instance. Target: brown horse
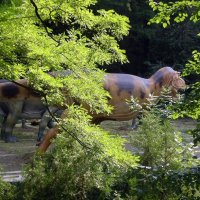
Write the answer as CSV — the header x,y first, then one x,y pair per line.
x,y
124,86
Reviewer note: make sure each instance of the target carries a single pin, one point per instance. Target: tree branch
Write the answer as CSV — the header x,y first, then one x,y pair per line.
x,y
43,23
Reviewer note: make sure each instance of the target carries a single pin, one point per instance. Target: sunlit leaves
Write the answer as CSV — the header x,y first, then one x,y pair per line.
x,y
193,65
91,93
177,11
63,35
93,136
7,191
87,41
72,170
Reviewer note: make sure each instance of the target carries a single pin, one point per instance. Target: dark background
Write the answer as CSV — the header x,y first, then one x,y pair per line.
x,y
150,47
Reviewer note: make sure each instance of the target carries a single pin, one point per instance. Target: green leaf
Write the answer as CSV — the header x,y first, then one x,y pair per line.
x,y
164,25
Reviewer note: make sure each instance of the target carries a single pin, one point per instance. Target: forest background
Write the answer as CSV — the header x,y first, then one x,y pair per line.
x,y
151,46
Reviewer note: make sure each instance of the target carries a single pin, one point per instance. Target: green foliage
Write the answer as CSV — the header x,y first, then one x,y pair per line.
x,y
149,48
31,46
71,170
179,11
191,106
168,169
59,35
156,184
160,145
40,36
7,191
193,66
196,134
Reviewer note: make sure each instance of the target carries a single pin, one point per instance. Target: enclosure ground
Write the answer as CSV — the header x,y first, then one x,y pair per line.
x,y
14,156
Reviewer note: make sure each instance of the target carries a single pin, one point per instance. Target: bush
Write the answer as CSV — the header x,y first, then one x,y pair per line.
x,y
168,169
156,184
7,191
159,144
78,171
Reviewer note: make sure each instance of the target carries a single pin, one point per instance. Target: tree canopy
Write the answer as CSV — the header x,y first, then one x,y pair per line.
x,y
31,45
37,37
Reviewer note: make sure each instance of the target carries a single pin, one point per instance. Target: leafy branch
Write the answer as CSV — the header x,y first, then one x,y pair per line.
x,y
43,23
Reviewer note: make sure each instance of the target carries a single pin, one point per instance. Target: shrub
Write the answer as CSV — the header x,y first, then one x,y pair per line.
x,y
78,171
168,169
7,191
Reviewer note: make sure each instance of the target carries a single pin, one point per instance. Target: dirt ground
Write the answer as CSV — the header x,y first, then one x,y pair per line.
x,y
13,156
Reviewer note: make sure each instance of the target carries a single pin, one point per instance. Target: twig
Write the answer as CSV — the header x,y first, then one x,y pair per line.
x,y
43,23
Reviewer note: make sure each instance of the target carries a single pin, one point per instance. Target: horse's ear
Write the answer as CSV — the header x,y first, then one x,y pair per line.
x,y
178,82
